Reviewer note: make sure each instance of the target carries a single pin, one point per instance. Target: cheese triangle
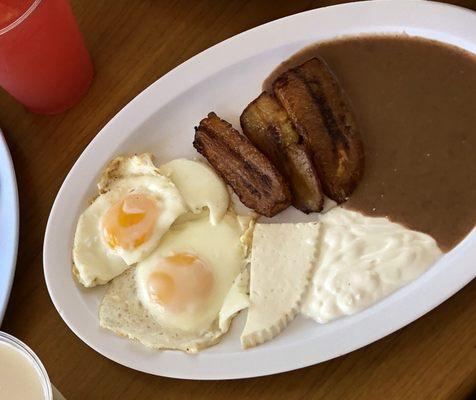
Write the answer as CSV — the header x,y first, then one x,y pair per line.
x,y
282,261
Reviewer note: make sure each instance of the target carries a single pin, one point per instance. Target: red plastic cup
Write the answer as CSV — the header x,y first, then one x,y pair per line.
x,y
43,61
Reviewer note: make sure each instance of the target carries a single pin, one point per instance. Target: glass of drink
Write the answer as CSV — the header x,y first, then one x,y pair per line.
x,y
22,376
43,61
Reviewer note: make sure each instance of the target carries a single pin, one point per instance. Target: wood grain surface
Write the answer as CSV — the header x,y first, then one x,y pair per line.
x,y
133,43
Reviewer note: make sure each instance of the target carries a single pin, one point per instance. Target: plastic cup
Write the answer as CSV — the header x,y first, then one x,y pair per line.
x,y
44,63
33,368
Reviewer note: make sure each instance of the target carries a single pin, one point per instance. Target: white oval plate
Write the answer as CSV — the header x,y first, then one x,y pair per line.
x,y
9,217
225,78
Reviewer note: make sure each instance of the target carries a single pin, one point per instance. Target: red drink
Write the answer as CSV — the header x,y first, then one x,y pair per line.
x,y
43,61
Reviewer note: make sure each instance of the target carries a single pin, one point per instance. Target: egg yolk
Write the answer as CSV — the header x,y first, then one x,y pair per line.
x,y
161,287
181,282
130,222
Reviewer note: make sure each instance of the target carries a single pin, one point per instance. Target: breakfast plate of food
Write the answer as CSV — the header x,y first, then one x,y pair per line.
x,y
285,197
9,217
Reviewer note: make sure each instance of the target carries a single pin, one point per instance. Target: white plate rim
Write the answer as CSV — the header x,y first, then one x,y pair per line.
x,y
415,14
9,230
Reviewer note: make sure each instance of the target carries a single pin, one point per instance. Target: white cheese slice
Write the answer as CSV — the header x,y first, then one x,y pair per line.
x,y
282,260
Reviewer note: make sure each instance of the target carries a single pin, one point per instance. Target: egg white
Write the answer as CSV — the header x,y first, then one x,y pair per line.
x,y
216,245
122,312
200,187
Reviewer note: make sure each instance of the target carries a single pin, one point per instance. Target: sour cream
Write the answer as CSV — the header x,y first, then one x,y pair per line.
x,y
362,260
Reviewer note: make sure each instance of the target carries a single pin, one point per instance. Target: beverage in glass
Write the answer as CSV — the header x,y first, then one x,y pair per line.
x,y
44,63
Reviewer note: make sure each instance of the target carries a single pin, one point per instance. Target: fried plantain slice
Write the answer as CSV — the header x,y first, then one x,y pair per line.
x,y
258,184
269,128
320,111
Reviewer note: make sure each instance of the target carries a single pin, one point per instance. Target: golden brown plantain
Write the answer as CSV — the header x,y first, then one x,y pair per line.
x,y
319,109
269,128
258,184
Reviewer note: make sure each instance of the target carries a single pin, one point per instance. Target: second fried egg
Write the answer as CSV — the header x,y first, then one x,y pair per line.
x,y
181,290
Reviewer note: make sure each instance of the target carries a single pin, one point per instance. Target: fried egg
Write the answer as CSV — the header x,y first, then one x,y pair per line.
x,y
200,187
185,294
124,224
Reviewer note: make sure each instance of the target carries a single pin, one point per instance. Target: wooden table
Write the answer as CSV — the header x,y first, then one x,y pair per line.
x,y
133,43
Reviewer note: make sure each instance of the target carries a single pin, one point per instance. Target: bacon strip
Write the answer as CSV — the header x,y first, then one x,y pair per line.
x,y
258,184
